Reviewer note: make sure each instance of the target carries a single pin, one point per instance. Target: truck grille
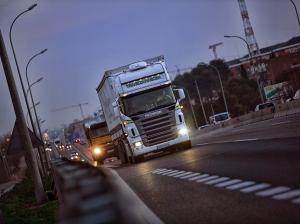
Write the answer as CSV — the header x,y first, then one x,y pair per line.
x,y
157,126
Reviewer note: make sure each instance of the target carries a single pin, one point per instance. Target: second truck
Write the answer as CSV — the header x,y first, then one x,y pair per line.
x,y
142,110
99,140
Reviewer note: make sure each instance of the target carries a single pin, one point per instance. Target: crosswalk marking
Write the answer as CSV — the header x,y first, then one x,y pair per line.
x,y
254,188
272,191
227,183
207,178
278,193
191,175
198,177
287,195
173,174
183,174
221,179
173,171
240,185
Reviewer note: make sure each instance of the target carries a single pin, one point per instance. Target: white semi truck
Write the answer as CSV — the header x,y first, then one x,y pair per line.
x,y
142,110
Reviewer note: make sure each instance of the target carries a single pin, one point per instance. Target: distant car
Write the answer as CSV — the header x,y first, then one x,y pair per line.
x,y
77,140
68,145
203,126
289,99
75,153
264,105
109,160
74,157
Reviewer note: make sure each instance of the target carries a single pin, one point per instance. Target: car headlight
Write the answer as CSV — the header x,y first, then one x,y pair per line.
x,y
183,131
97,151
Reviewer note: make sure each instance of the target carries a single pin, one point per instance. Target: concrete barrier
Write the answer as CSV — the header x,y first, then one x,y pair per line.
x,y
268,113
280,110
289,108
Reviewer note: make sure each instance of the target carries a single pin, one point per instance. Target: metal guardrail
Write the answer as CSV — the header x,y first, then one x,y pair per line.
x,y
89,194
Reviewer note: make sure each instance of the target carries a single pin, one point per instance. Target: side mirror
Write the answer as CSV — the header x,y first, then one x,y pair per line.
x,y
181,94
116,112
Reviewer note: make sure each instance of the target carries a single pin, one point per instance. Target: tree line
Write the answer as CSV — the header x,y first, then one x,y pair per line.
x,y
241,94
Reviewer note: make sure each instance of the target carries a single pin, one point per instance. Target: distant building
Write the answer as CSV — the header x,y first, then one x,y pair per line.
x,y
274,64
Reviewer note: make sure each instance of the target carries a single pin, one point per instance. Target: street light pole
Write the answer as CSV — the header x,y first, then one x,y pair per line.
x,y
296,12
30,109
251,56
202,63
43,51
30,8
23,130
201,102
190,103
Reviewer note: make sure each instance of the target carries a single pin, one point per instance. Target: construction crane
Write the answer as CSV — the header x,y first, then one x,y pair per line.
x,y
78,105
178,70
214,48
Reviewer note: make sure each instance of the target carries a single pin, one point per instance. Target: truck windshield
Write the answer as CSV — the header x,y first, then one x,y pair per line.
x,y
148,101
99,132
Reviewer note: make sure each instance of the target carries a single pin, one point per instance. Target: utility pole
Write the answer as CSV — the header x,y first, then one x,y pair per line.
x,y
23,130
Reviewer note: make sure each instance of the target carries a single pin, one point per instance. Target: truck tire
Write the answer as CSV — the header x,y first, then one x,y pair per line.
x,y
138,159
187,144
122,154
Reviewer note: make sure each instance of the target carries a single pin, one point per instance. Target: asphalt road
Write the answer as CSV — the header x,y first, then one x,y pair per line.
x,y
244,175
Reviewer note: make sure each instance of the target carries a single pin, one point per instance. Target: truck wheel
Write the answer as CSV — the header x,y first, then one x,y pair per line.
x,y
122,154
187,144
138,159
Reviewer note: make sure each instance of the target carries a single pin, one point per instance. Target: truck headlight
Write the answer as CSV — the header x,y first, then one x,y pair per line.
x,y
137,144
97,151
183,131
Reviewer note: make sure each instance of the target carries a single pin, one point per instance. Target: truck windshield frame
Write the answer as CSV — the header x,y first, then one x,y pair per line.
x,y
99,132
148,101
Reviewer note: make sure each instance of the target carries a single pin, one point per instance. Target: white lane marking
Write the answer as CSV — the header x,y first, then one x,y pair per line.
x,y
157,170
198,177
227,183
173,171
287,195
183,174
173,174
163,171
296,201
221,179
191,175
240,185
272,191
281,122
203,144
255,188
238,130
246,140
207,178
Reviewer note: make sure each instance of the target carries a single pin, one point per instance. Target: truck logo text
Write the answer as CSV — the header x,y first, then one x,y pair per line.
x,y
142,81
153,113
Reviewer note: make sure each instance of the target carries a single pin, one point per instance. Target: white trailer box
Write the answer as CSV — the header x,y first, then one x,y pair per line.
x,y
142,113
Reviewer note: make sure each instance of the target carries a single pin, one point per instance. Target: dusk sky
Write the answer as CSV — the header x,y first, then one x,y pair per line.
x,y
85,38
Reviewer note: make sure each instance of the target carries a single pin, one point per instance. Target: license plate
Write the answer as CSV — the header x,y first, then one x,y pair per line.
x,y
162,146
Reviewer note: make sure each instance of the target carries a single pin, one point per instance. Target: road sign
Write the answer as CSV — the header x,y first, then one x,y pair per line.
x,y
15,144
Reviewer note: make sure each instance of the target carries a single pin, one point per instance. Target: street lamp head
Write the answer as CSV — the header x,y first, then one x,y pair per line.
x,y
37,103
227,36
31,7
43,51
39,79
